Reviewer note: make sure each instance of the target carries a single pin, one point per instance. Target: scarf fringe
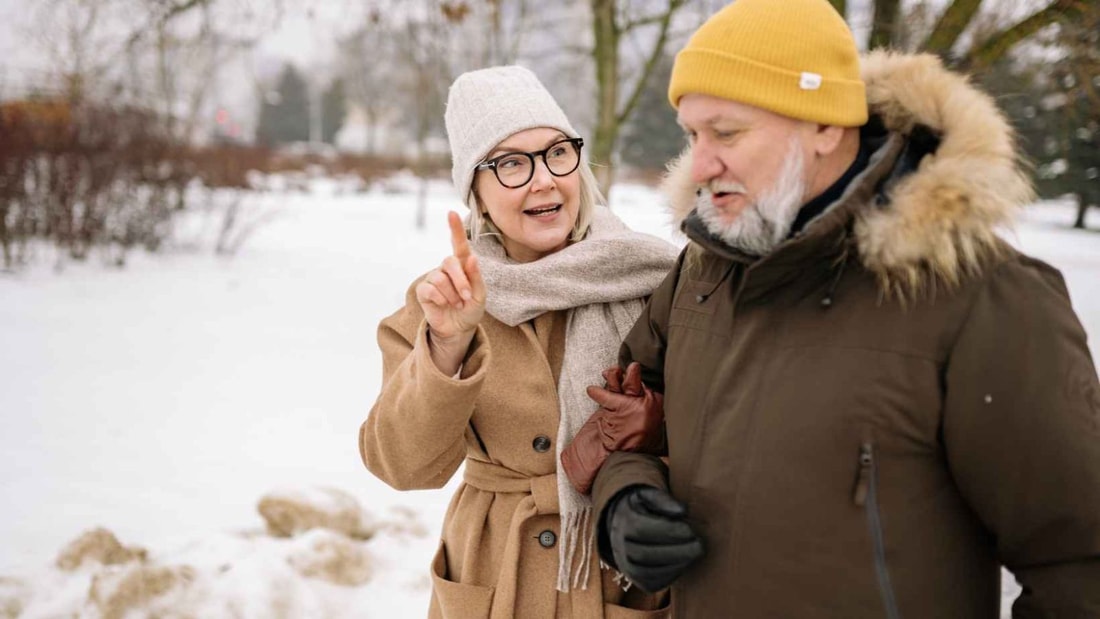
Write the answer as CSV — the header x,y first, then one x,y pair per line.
x,y
576,528
573,568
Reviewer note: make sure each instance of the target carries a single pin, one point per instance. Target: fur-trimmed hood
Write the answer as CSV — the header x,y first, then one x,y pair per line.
x,y
940,221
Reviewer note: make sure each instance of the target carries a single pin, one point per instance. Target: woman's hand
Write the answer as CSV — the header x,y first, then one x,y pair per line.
x,y
630,418
452,298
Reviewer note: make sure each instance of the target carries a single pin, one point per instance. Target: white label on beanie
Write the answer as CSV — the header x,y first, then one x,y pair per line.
x,y
810,81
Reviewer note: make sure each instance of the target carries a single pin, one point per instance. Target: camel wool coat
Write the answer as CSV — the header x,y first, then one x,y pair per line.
x,y
498,556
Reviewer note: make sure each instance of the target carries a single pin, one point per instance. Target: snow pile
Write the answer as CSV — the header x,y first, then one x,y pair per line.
x,y
315,559
290,512
98,545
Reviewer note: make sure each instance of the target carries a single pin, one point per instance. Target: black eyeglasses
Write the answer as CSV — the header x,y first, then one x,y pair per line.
x,y
514,170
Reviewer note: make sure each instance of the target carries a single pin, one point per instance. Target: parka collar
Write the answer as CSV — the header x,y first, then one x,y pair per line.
x,y
814,253
935,219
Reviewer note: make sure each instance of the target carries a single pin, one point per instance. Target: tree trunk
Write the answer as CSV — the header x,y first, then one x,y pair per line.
x,y
422,204
422,174
606,55
610,118
884,23
1082,209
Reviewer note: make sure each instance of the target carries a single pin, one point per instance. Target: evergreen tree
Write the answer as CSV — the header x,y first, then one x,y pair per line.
x,y
333,109
1055,107
285,117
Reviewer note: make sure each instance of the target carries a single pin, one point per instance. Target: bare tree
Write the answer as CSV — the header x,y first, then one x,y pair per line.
x,y
989,40
884,23
993,47
77,39
424,50
611,23
366,63
160,54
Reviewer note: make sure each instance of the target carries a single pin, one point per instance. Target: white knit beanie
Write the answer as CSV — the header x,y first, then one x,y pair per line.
x,y
486,106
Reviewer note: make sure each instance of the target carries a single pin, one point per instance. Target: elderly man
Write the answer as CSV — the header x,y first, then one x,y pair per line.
x,y
871,401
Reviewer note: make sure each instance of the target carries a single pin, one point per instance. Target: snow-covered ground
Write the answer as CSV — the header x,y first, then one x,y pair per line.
x,y
162,401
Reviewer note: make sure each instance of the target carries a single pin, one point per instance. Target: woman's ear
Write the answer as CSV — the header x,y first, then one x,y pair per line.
x,y
482,210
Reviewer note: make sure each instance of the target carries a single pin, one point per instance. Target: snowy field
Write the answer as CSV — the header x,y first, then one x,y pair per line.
x,y
163,400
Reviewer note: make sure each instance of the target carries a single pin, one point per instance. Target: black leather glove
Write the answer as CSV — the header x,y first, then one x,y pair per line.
x,y
650,539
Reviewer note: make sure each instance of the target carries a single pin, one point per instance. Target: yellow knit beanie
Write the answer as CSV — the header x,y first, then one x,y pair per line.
x,y
796,58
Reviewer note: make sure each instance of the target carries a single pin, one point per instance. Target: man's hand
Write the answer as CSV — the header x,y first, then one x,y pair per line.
x,y
650,539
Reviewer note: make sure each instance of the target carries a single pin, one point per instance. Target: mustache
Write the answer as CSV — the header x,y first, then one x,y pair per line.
x,y
719,186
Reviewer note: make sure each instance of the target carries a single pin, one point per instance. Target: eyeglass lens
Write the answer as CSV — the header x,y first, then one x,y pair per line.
x,y
516,169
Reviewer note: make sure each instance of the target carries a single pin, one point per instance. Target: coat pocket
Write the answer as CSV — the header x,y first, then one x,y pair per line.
x,y
694,306
866,496
614,611
454,600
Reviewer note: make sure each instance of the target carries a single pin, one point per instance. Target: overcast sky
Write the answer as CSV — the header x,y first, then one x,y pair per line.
x,y
304,35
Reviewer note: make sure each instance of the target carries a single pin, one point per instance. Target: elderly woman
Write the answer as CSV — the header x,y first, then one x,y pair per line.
x,y
486,364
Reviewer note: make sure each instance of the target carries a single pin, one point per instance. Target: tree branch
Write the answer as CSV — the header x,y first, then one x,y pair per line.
x,y
179,9
650,63
651,19
994,47
158,21
954,19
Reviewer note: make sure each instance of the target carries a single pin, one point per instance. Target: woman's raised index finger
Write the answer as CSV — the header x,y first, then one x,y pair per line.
x,y
458,237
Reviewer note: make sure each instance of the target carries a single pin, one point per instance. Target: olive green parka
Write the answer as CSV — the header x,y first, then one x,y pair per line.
x,y
875,417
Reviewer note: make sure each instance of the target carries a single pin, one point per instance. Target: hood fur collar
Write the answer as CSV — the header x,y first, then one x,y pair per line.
x,y
941,220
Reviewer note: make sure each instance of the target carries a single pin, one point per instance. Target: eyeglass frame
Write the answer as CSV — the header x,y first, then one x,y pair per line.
x,y
491,164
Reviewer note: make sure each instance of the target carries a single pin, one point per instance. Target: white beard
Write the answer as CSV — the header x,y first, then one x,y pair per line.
x,y
767,221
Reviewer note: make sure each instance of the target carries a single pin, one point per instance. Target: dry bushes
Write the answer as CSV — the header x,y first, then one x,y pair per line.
x,y
84,176
91,177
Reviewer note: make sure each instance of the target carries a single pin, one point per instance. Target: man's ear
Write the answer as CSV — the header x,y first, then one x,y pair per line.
x,y
826,139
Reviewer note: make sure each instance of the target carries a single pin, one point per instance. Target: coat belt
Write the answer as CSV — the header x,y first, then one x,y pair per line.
x,y
495,478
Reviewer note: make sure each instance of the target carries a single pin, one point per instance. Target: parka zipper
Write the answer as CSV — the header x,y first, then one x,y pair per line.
x,y
866,496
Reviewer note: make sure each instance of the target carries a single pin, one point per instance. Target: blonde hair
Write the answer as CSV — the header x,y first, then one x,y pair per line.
x,y
590,197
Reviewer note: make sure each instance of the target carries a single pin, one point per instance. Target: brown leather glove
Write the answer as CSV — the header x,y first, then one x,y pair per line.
x,y
630,418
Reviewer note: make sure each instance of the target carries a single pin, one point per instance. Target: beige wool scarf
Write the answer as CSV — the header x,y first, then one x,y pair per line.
x,y
601,281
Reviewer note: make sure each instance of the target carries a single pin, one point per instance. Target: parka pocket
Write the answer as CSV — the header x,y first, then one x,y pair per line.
x,y
695,296
454,600
694,305
614,611
866,496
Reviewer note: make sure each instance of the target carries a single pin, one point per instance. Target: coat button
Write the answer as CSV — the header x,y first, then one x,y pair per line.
x,y
547,539
541,444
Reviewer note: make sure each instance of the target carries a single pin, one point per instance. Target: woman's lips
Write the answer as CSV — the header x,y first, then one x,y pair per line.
x,y
543,211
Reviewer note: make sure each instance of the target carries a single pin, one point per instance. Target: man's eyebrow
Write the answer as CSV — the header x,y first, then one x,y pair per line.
x,y
734,123
507,149
712,121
